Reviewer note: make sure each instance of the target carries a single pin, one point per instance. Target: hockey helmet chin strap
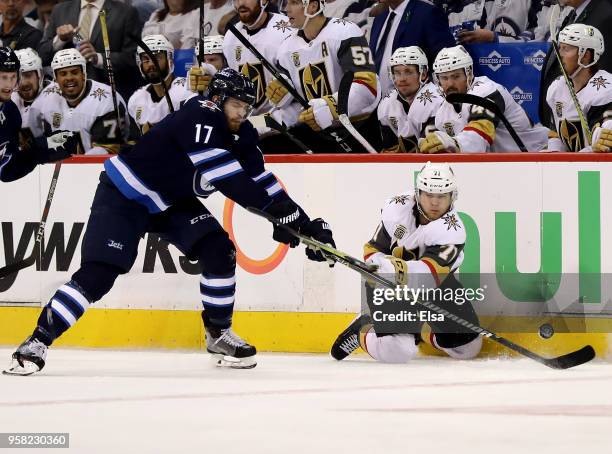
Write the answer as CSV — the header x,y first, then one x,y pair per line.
x,y
262,11
310,16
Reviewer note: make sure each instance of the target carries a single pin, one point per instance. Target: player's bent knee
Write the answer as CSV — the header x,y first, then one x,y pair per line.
x,y
216,253
96,279
396,348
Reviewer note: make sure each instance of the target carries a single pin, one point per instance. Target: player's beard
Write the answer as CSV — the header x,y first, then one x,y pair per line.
x,y
154,77
248,17
28,91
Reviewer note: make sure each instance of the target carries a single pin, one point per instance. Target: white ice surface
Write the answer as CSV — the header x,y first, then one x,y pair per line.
x,y
176,402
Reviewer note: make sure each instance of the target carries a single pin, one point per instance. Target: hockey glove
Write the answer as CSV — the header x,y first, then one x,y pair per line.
x,y
200,77
321,114
387,266
59,145
277,93
438,142
602,138
288,213
319,230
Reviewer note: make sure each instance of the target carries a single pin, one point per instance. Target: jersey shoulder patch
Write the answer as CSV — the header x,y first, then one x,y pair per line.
x,y
448,229
483,86
397,211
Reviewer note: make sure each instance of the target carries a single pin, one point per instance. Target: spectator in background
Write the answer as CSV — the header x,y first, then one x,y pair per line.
x,y
214,10
502,21
597,13
14,31
43,12
75,22
178,21
407,23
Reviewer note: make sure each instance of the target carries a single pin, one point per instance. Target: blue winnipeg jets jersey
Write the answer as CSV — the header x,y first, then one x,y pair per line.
x,y
192,152
14,163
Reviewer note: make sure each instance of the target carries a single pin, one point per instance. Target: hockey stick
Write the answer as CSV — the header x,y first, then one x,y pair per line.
x,y
276,73
343,97
554,18
150,54
272,123
40,233
201,38
109,70
572,359
465,98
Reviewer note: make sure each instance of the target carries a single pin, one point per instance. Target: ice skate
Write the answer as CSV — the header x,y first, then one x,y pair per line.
x,y
229,350
28,359
348,340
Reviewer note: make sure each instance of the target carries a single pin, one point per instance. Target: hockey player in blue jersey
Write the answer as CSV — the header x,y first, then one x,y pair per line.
x,y
205,146
15,162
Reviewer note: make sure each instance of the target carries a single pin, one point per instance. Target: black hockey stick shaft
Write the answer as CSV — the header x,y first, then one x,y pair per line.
x,y
151,56
272,123
40,232
269,66
572,359
466,98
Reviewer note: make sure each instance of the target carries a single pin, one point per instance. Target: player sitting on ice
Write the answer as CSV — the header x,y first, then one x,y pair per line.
x,y
205,146
420,242
471,128
407,111
314,58
580,47
148,105
78,104
17,160
30,86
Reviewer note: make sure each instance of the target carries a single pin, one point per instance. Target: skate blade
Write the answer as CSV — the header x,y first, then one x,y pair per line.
x,y
233,362
15,368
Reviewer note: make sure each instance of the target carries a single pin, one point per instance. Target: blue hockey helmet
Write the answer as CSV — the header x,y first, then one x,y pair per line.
x,y
8,60
229,83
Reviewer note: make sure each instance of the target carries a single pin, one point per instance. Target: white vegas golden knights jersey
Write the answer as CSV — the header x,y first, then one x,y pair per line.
x,y
30,125
94,117
438,244
478,130
596,102
266,40
316,67
146,109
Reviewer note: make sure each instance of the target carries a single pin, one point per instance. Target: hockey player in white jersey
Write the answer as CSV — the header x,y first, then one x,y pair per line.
x,y
407,111
580,47
314,58
75,103
200,75
470,128
30,86
419,244
148,105
265,31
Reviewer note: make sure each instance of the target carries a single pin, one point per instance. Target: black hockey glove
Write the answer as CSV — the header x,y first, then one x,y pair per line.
x,y
288,213
319,230
59,145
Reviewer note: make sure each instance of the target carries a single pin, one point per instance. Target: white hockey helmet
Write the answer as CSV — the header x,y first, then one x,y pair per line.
x,y
451,58
212,45
437,178
68,57
30,61
584,37
412,55
156,43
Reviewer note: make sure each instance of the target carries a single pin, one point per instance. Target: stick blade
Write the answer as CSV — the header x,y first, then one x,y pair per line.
x,y
584,355
16,266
